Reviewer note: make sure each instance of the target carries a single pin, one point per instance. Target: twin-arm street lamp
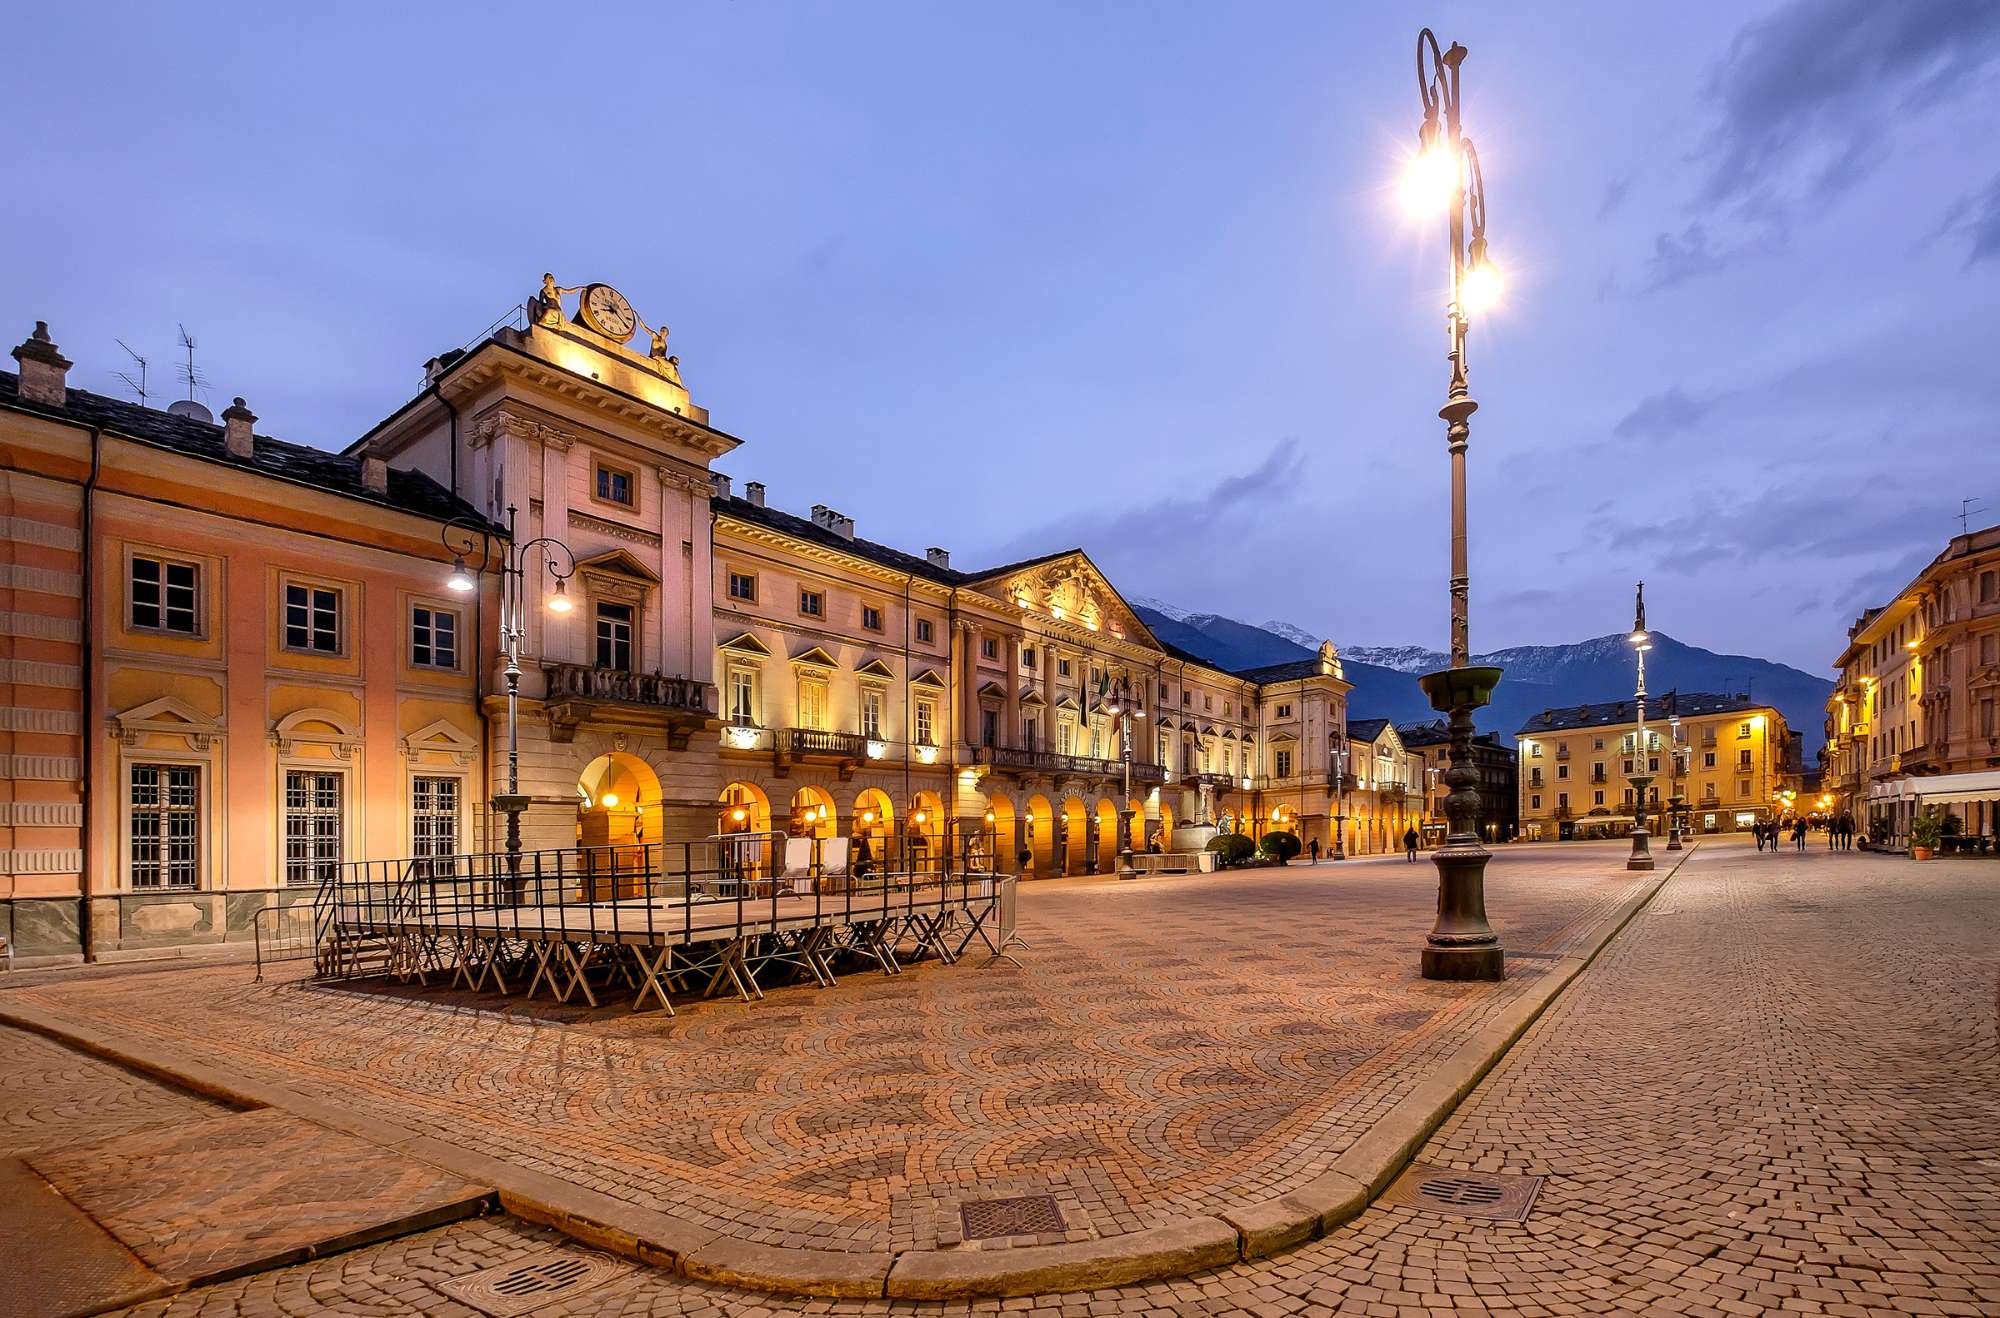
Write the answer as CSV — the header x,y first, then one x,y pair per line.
x,y
465,538
1116,708
1462,945
1642,775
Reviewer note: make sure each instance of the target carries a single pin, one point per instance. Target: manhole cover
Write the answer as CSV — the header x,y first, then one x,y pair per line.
x,y
1029,1215
1464,1194
525,1285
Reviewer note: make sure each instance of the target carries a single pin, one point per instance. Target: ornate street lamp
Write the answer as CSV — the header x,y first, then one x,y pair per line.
x,y
1340,803
473,537
1642,849
1677,803
1462,945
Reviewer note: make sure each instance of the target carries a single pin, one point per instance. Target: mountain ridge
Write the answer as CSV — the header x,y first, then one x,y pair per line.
x,y
1538,677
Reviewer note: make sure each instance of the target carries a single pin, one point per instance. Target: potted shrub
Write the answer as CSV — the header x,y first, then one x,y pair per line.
x,y
1926,831
1231,848
1280,846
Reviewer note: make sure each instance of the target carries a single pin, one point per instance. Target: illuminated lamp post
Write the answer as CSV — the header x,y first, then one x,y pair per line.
x,y
1116,708
1642,849
1462,945
464,538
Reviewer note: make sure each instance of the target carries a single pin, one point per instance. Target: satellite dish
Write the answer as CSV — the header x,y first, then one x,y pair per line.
x,y
194,411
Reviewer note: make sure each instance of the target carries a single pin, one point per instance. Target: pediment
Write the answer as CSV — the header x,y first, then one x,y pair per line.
x,y
618,563
876,668
815,656
442,737
928,677
746,643
317,726
1069,588
1066,702
169,715
1989,676
1032,698
993,690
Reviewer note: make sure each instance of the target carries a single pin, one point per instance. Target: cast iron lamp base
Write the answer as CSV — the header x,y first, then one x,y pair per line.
x,y
1462,945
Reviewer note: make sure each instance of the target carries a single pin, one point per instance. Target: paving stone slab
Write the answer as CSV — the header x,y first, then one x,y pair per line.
x,y
54,1261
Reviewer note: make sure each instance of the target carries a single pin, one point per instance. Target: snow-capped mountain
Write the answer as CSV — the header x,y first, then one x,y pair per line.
x,y
1163,608
1537,676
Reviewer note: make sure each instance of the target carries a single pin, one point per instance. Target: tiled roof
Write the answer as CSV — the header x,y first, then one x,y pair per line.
x,y
299,464
1609,712
1292,671
1365,729
1436,733
805,529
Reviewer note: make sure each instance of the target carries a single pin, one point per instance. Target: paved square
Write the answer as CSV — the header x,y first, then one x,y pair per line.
x,y
1168,1047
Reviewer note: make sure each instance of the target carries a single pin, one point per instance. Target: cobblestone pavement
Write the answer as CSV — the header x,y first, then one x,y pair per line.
x,y
52,1097
1168,1047
1775,1092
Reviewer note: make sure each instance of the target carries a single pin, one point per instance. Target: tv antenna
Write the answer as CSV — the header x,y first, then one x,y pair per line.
x,y
137,386
1965,512
194,378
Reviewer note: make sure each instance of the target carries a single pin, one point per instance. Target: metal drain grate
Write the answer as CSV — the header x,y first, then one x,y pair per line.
x,y
1028,1215
1464,1194
508,1290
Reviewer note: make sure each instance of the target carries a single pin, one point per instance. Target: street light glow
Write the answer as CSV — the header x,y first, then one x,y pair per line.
x,y
1481,288
560,601
460,579
1428,180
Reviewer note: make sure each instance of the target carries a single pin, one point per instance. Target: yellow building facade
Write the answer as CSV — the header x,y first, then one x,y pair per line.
x,y
235,663
1731,759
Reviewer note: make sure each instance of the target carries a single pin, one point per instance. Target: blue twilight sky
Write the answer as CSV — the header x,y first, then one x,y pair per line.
x,y
1011,277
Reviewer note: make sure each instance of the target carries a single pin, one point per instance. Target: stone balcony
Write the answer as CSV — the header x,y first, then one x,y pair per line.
x,y
578,694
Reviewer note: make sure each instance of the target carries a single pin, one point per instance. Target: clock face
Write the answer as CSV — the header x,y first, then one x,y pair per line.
x,y
606,311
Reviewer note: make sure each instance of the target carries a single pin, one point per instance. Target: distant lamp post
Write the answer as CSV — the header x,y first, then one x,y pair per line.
x,y
464,539
1340,803
1642,849
1462,945
1116,708
1677,802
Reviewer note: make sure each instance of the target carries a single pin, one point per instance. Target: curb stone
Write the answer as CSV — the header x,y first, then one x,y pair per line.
x,y
1194,1244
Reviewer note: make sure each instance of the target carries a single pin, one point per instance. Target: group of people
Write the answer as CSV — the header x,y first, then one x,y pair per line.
x,y
1773,832
1840,832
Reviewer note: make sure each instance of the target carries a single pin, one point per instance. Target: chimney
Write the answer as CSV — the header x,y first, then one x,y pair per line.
x,y
721,484
441,363
824,517
754,492
938,557
843,526
44,371
236,422
374,474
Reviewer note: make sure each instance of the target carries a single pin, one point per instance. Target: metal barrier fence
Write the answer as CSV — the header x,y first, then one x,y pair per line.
x,y
285,933
652,917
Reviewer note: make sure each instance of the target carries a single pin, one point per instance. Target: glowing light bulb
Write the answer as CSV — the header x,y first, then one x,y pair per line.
x,y
1428,180
1481,288
460,579
609,799
560,601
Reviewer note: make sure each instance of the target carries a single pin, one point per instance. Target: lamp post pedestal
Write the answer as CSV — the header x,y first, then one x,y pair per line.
x,y
1126,870
1462,944
1642,838
1674,808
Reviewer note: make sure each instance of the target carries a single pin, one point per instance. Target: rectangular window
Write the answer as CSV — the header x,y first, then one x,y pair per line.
x,y
871,713
926,722
1562,800
742,696
1163,690
1743,787
433,637
871,617
1027,656
1600,798
1062,668
989,648
614,486
312,828
1208,702
312,618
1065,737
1708,759
1742,731
1989,648
166,825
1988,588
1743,758
1562,771
1986,718
924,630
989,727
743,586
1283,763
433,817
812,703
1029,732
1535,803
812,603
1284,711
163,596
614,636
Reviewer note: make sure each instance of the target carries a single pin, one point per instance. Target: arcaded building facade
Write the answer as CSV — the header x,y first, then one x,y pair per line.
x,y
234,663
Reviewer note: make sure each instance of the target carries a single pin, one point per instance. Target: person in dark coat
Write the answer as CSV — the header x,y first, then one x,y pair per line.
x,y
1410,841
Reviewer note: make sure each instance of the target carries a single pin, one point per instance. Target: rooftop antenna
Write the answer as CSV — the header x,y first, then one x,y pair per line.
x,y
137,386
194,378
1965,512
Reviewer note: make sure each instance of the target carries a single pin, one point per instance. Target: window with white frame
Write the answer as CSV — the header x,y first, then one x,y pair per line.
x,y
166,826
614,636
1282,763
925,631
1065,734
312,827
871,713
926,721
433,817
312,618
162,596
433,637
743,695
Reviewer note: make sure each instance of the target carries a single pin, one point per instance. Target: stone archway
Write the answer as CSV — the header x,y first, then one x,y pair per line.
x,y
619,802
873,819
1107,835
812,813
743,808
1075,835
1040,829
998,834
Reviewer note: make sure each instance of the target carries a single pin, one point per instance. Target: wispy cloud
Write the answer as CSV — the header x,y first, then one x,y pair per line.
x,y
1976,218
1662,414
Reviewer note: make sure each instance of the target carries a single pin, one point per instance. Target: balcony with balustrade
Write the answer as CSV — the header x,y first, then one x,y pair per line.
x,y
579,694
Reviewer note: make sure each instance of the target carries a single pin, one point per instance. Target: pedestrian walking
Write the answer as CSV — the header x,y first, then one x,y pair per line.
x,y
1757,832
1799,835
1313,847
1410,840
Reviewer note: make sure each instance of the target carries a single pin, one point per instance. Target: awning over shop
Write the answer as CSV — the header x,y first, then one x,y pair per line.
x,y
1955,788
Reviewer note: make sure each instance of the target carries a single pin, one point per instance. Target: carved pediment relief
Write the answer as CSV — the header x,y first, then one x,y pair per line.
x,y
1071,589
744,643
814,657
877,669
928,677
169,715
